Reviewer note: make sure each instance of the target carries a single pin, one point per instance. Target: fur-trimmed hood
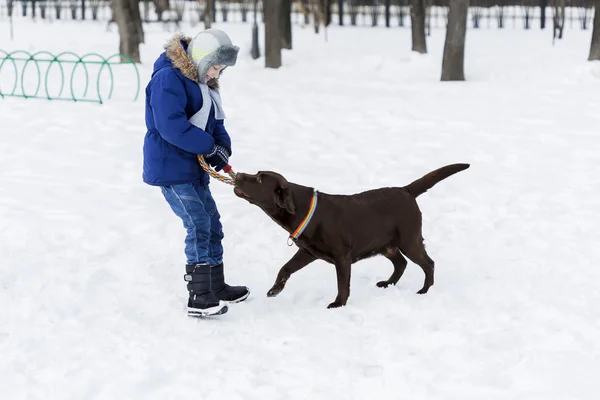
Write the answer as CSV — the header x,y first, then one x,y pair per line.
x,y
177,54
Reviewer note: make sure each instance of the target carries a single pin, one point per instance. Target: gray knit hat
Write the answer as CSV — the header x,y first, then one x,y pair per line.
x,y
212,47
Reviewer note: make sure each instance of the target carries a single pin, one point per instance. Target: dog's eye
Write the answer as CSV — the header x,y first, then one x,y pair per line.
x,y
258,179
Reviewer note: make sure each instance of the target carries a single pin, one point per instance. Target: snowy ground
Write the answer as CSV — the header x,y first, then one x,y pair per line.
x,y
92,259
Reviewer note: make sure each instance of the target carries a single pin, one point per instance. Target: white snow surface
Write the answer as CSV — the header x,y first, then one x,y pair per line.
x,y
91,278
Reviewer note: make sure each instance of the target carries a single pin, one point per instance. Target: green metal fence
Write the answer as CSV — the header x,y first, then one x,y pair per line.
x,y
66,76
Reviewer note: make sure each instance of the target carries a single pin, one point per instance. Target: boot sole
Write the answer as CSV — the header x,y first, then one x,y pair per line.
x,y
244,297
207,312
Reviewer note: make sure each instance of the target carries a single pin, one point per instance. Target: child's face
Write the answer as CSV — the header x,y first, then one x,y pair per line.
x,y
213,72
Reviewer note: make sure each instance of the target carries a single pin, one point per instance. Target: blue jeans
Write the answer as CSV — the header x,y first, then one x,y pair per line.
x,y
194,204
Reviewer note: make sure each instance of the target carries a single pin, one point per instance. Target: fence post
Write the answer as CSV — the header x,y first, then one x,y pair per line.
x,y
341,12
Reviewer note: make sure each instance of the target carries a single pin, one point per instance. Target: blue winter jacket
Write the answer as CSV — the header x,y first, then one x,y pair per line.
x,y
172,143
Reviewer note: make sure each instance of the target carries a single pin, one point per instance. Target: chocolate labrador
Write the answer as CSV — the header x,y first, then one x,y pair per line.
x,y
343,229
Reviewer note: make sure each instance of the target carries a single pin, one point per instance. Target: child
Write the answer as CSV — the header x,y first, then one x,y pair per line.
x,y
184,118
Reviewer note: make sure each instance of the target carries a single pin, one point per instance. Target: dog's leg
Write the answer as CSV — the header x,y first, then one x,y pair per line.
x,y
342,269
419,256
298,261
393,254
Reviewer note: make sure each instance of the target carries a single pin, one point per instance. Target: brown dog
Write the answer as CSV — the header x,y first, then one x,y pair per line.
x,y
343,229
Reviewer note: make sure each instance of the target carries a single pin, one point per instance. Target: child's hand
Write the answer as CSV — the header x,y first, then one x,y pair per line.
x,y
224,145
218,158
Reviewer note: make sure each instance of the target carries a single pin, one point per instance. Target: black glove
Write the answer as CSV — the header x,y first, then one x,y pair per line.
x,y
224,144
218,157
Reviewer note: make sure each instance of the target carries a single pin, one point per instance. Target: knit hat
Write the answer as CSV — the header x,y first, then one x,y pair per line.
x,y
211,47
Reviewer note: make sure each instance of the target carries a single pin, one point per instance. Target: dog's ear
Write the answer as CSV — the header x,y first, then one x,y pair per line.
x,y
284,199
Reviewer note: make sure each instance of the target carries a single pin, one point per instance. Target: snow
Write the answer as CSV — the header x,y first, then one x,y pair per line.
x,y
92,263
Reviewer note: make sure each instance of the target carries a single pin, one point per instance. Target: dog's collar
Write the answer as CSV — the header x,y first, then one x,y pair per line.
x,y
311,211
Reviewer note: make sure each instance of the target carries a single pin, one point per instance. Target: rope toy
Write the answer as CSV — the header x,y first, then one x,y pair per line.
x,y
227,169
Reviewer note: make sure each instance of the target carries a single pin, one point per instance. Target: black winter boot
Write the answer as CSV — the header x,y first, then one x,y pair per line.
x,y
230,294
202,301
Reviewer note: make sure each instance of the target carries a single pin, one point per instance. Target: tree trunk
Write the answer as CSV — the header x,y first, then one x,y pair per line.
x,y
306,7
543,5
595,48
208,14
328,12
454,47
273,34
316,10
160,6
558,20
417,18
319,10
126,14
286,20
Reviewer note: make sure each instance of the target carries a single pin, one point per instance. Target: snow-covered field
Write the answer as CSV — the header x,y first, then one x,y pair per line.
x,y
91,259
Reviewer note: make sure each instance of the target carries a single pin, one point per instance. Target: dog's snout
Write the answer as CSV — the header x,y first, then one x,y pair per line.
x,y
240,176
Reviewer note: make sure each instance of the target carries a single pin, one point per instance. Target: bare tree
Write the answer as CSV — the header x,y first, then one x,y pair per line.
x,y
126,14
273,32
286,19
558,21
417,18
543,6
529,8
318,11
160,6
595,48
454,46
208,14
304,6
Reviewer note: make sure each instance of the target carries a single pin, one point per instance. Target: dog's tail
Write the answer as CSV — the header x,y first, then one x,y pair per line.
x,y
425,183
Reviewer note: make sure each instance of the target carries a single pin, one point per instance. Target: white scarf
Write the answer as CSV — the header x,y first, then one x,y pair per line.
x,y
200,119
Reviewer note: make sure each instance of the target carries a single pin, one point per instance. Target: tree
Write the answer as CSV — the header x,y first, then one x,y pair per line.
x,y
595,47
543,5
417,18
454,46
273,32
208,14
318,8
286,20
160,6
126,14
558,21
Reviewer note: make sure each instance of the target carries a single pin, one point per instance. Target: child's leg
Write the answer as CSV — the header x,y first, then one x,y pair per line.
x,y
215,246
187,202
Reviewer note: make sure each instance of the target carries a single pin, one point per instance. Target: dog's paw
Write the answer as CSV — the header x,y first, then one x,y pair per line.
x,y
335,304
423,291
383,284
275,290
